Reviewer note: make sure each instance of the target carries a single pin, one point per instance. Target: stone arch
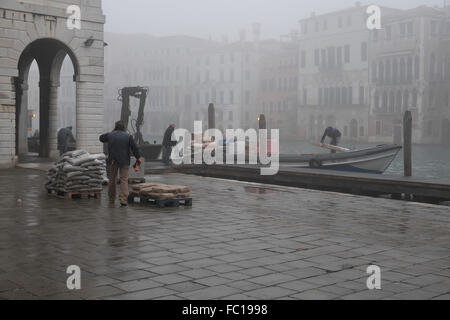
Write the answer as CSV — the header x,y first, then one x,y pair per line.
x,y
49,55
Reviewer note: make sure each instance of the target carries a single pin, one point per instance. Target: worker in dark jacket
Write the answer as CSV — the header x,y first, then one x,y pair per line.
x,y
334,134
65,136
120,145
168,143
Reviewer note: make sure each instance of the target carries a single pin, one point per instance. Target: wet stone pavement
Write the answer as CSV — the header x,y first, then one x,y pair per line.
x,y
238,241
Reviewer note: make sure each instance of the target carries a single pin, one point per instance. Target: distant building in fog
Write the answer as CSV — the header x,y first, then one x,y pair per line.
x,y
333,74
184,74
410,69
278,87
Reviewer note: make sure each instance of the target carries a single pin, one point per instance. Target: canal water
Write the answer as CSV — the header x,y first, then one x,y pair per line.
x,y
429,161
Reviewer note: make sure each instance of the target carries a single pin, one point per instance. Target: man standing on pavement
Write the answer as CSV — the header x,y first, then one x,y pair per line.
x,y
120,143
168,144
65,136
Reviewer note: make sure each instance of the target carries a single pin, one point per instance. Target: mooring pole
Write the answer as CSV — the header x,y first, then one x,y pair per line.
x,y
407,143
262,121
211,116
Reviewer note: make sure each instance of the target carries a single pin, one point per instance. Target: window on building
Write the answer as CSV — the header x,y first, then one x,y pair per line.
x,y
339,56
388,32
323,54
304,28
316,57
326,96
375,35
213,95
402,29
247,75
409,69
340,22
361,95
433,27
345,131
361,131
338,96
416,67
344,96
374,72
350,95
432,65
231,75
222,59
378,128
305,96
320,94
402,70
222,97
387,74
331,56
197,97
316,26
303,59
325,25
410,28
247,98
347,54
230,115
395,71
364,51
349,21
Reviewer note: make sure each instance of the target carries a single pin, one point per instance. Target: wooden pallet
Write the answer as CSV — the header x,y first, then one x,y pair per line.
x,y
174,202
75,194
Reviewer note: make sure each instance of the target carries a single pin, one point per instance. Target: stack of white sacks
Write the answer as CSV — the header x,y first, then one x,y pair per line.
x,y
78,171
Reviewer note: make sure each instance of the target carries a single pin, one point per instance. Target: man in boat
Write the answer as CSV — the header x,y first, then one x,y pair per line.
x,y
168,143
334,134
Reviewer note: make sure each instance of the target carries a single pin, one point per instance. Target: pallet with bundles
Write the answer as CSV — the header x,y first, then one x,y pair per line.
x,y
161,194
96,194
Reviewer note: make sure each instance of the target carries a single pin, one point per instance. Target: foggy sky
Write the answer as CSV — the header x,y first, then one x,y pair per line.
x,y
215,18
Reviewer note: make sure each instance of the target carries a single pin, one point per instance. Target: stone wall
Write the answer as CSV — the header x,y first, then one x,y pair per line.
x,y
23,23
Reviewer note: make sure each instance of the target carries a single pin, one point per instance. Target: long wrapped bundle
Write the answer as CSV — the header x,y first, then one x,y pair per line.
x,y
161,191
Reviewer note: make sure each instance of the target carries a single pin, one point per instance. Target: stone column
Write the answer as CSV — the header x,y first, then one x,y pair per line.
x,y
44,111
53,119
89,119
22,119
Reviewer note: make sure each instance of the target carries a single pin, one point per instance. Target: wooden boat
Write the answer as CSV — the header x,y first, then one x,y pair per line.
x,y
371,160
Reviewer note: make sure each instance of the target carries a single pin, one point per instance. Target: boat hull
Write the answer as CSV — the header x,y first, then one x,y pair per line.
x,y
371,160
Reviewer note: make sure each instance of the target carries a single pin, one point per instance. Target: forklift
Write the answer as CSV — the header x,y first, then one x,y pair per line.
x,y
148,151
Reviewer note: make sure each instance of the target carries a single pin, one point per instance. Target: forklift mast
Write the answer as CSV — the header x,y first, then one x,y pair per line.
x,y
124,96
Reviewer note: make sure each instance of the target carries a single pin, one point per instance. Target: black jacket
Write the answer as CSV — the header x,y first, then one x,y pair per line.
x,y
335,133
120,143
167,140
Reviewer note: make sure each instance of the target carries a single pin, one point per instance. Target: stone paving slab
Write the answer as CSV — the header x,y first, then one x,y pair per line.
x,y
233,243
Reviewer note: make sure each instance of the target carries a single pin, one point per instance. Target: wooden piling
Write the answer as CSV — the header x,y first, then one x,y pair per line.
x,y
262,121
407,143
211,116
